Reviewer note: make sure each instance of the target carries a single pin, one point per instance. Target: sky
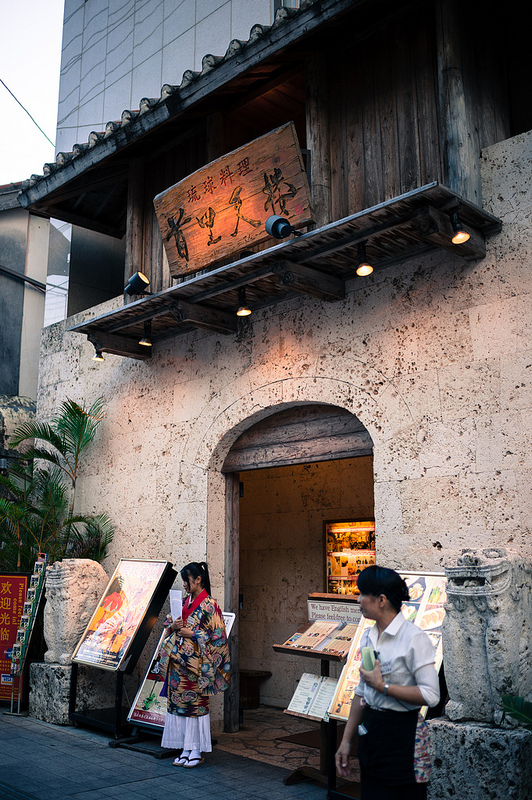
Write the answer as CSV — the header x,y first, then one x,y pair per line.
x,y
30,57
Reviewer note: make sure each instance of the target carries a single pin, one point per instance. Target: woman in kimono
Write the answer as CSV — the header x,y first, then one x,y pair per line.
x,y
197,657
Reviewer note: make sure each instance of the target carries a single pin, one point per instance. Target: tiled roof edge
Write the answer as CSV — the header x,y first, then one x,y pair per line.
x,y
209,63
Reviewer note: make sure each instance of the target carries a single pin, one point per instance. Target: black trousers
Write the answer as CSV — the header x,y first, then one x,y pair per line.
x,y
371,790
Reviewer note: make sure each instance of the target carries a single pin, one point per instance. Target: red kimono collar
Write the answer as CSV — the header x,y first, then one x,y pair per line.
x,y
189,607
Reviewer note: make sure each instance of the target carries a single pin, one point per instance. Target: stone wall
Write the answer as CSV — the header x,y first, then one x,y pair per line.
x,y
433,356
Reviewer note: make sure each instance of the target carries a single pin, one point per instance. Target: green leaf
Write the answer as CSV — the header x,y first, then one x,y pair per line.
x,y
518,708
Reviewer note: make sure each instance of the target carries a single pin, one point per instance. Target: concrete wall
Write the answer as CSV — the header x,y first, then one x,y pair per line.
x,y
433,356
116,53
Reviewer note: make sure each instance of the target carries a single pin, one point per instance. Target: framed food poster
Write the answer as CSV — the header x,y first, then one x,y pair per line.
x,y
425,609
350,549
125,615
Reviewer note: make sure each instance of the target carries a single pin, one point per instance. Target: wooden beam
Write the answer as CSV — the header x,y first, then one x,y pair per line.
x,y
135,221
308,280
317,125
209,319
459,135
434,226
119,345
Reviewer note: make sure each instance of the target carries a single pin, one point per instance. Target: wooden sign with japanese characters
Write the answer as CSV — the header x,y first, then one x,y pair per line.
x,y
221,209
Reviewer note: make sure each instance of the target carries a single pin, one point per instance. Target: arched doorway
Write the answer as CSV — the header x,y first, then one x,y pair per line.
x,y
287,475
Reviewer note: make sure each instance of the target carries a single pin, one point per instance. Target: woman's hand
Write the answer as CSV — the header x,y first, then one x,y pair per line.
x,y
186,633
342,759
373,677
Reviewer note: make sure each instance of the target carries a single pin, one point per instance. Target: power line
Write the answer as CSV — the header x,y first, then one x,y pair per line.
x,y
27,112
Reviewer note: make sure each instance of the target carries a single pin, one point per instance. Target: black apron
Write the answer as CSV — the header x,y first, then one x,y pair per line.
x,y
386,751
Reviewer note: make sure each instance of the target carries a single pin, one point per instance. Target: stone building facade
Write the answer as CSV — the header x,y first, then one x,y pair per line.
x,y
429,356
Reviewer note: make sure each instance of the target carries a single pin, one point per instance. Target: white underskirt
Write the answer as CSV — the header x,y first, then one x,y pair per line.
x,y
187,733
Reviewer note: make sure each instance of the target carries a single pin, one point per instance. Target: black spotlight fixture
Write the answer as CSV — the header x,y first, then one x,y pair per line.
x,y
243,308
363,266
137,284
280,228
146,339
460,235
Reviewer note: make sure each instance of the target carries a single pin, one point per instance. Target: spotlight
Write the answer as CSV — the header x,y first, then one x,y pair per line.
x,y
460,235
146,339
137,284
243,308
280,228
97,356
363,268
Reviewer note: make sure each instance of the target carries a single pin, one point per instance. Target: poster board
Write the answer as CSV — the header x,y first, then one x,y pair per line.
x,y
221,209
425,609
148,709
127,611
350,548
312,697
13,588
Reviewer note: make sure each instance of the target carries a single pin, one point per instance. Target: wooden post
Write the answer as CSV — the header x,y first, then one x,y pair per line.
x,y
134,261
232,584
460,141
317,126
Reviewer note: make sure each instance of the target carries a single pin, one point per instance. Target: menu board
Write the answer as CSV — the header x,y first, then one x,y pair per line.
x,y
425,609
323,639
350,549
312,697
120,613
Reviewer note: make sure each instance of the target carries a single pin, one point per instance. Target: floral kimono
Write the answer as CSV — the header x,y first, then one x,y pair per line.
x,y
197,667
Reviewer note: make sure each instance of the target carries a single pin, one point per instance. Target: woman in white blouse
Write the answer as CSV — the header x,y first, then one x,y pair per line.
x,y
384,716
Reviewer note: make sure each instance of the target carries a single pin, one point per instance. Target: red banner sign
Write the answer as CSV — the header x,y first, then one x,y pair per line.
x,y
221,209
13,588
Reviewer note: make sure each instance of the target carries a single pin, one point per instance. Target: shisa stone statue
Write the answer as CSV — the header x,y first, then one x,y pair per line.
x,y
487,632
73,589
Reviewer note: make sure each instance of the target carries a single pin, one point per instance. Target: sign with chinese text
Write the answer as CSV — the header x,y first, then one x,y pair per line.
x,y
119,614
13,588
221,209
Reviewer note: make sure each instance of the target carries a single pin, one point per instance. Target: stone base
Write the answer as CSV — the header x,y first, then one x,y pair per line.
x,y
475,761
50,690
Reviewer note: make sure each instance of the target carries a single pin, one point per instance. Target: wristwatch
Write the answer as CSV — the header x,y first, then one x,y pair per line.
x,y
386,687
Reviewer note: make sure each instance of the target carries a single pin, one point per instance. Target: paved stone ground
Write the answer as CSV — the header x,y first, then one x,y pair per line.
x,y
39,761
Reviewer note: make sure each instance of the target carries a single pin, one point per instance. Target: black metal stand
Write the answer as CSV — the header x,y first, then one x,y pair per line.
x,y
107,719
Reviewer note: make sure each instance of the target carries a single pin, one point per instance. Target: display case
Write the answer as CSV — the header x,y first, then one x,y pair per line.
x,y
350,548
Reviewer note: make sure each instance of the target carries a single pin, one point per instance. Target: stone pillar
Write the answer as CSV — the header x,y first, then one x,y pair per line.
x,y
487,636
72,590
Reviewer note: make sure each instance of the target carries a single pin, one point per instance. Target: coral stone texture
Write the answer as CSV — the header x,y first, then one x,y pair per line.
x,y
479,762
487,632
73,589
432,355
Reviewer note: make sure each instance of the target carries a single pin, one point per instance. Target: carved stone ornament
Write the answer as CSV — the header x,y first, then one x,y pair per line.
x,y
487,632
73,589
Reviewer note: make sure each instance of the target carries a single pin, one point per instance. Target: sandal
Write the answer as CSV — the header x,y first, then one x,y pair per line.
x,y
181,761
193,762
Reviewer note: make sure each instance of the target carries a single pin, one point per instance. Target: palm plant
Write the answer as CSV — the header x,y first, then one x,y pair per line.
x,y
37,510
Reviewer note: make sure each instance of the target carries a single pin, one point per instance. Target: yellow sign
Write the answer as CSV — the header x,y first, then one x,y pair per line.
x,y
221,209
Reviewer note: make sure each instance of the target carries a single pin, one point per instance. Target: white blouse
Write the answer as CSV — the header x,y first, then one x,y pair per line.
x,y
406,658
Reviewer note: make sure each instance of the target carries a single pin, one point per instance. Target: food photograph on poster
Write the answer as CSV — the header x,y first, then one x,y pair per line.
x,y
425,609
108,637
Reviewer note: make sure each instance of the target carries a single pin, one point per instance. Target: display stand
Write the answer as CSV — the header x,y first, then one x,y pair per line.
x,y
117,632
336,616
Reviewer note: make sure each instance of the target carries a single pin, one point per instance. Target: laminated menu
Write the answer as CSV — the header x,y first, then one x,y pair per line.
x,y
312,696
